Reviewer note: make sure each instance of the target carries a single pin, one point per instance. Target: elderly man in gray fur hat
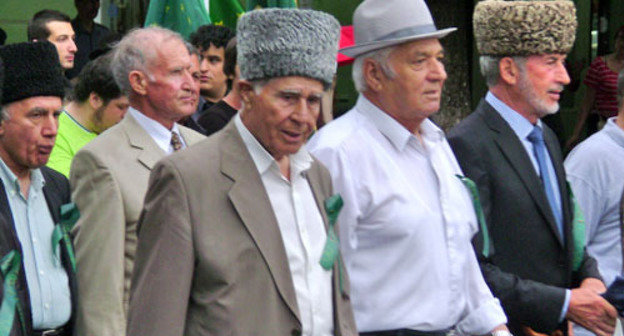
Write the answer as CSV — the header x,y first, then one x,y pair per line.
x,y
237,236
539,267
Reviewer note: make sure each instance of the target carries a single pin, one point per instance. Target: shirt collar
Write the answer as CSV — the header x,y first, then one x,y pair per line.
x,y
299,162
158,132
614,131
10,179
519,124
398,135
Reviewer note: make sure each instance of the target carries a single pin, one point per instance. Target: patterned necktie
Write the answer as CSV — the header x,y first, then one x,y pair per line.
x,y
176,143
539,150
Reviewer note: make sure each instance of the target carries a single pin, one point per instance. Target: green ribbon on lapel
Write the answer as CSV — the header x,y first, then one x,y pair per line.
x,y
10,266
69,217
331,249
578,232
476,203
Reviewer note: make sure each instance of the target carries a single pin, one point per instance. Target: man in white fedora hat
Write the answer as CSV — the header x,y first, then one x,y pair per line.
x,y
539,267
408,219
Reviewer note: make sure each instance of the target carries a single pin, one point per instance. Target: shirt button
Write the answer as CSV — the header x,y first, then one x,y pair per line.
x,y
34,240
47,306
41,272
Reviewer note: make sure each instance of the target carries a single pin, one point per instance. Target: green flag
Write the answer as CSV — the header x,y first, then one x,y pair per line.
x,y
225,12
182,16
253,4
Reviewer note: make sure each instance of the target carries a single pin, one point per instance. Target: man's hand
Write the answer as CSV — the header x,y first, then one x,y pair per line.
x,y
590,310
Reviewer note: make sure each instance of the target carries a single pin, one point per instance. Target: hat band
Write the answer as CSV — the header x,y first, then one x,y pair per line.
x,y
409,31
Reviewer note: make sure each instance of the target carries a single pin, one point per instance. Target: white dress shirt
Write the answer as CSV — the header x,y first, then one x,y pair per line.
x,y
303,233
158,132
406,226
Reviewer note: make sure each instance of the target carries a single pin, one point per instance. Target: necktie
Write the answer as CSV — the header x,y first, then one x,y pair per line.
x,y
176,143
539,150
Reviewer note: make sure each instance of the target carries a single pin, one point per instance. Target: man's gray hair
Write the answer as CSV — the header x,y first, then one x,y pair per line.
x,y
136,51
381,56
491,71
192,50
620,87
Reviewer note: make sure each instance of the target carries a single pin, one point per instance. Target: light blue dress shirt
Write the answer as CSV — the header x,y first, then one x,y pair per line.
x,y
48,284
522,127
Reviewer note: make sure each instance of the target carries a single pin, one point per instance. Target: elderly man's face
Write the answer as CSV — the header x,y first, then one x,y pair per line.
x,y
540,83
27,136
171,90
414,92
283,115
62,36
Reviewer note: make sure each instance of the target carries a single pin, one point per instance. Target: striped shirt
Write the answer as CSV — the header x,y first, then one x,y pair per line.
x,y
604,80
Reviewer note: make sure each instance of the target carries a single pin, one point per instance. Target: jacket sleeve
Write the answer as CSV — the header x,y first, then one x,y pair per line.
x,y
164,267
99,237
531,303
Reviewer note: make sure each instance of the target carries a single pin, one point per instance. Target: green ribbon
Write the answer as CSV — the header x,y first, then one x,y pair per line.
x,y
331,251
69,217
578,232
10,266
476,203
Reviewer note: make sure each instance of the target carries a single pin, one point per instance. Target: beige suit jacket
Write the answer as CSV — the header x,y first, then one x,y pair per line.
x,y
109,179
210,259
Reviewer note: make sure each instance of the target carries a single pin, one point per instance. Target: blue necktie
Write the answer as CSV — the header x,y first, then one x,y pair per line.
x,y
539,150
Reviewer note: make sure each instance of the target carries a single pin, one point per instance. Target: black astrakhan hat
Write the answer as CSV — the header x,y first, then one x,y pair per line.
x,y
31,69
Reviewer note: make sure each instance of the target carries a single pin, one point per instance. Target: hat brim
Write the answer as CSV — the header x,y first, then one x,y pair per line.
x,y
358,50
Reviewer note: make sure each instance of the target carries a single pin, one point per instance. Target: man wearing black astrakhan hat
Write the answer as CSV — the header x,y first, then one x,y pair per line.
x,y
31,195
539,268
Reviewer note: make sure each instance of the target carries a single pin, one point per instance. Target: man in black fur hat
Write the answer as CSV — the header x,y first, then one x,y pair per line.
x,y
37,258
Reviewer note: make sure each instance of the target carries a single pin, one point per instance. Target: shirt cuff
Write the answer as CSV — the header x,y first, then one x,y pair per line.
x,y
484,319
566,303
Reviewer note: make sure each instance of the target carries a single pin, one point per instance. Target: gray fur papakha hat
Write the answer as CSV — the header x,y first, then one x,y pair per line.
x,y
277,42
523,28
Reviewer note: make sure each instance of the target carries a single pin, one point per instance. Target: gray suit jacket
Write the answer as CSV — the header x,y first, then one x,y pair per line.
x,y
109,179
211,260
531,264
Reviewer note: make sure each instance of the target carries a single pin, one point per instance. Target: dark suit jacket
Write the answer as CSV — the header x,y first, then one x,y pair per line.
x,y
211,259
531,264
56,191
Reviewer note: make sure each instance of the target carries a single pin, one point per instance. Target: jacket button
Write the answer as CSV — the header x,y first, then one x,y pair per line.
x,y
296,332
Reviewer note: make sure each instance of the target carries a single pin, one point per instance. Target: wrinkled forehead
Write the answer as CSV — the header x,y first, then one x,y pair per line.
x,y
41,103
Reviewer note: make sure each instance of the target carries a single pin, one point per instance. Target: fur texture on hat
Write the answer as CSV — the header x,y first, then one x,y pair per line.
x,y
522,28
31,69
277,42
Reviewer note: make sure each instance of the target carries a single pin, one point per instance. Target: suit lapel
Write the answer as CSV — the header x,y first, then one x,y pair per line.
x,y
513,150
252,204
190,137
149,152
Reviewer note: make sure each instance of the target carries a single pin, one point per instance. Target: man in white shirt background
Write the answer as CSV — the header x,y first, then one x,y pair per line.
x,y
408,219
594,169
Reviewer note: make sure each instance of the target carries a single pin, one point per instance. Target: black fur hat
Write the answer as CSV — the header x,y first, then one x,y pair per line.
x,y
31,69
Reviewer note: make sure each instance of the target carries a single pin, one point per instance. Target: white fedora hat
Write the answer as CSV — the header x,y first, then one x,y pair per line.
x,y
381,23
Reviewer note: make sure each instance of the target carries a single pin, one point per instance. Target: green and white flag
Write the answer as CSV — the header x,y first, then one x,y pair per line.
x,y
253,4
225,12
182,16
